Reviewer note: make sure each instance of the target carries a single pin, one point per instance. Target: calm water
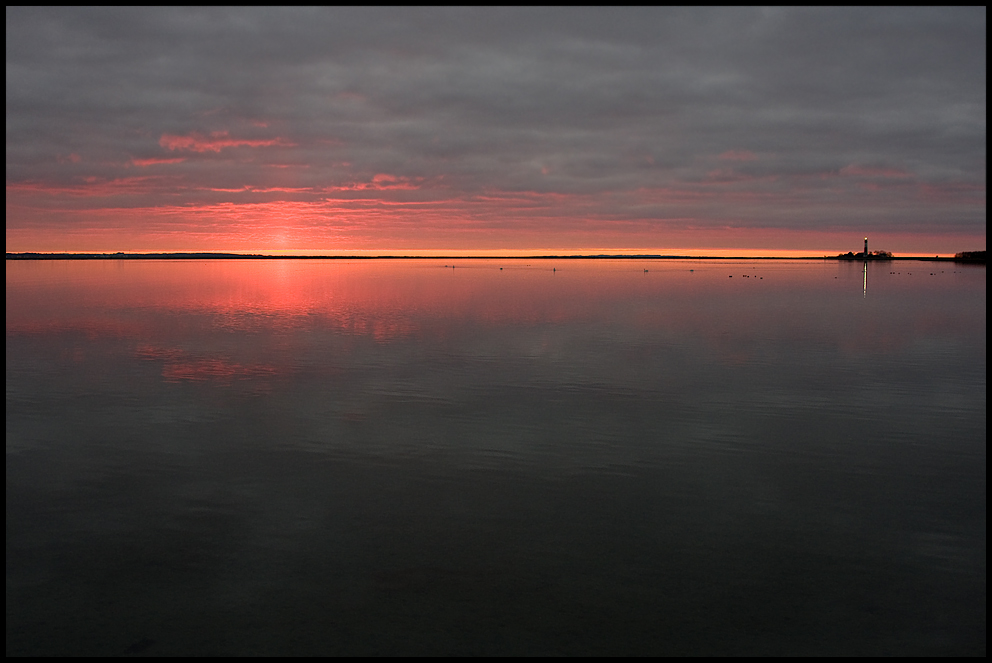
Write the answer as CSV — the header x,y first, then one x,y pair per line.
x,y
381,457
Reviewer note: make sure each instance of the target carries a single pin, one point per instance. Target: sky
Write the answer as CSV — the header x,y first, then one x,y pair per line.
x,y
496,131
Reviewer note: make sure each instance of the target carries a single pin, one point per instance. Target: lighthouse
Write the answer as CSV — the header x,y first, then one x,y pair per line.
x,y
866,248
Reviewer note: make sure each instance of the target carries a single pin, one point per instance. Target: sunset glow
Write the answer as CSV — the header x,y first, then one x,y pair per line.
x,y
558,132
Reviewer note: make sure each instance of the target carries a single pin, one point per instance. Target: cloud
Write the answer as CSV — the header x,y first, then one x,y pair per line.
x,y
738,155
215,142
855,170
144,163
754,118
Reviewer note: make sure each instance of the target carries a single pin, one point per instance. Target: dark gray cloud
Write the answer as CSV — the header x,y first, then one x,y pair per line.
x,y
764,117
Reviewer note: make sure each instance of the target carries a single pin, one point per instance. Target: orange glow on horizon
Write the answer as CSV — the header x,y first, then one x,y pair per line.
x,y
396,215
539,252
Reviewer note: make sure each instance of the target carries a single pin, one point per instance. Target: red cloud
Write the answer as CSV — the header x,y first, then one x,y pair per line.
x,y
215,142
382,182
253,189
144,163
93,187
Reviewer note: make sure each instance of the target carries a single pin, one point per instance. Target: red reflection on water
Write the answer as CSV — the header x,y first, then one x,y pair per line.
x,y
179,365
732,306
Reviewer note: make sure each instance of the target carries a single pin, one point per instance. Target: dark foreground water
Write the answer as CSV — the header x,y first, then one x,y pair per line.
x,y
401,457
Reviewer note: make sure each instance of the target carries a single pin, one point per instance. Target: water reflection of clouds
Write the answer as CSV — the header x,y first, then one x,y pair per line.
x,y
380,415
179,365
278,303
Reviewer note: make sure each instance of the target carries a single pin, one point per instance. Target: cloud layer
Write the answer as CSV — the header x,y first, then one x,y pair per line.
x,y
391,128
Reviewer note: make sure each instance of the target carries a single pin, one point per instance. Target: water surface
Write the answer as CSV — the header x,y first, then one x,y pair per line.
x,y
495,457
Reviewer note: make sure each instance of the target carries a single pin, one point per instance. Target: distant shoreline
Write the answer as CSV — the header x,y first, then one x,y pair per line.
x,y
258,256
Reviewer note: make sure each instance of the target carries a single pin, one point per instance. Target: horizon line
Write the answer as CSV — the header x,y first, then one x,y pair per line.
x,y
229,255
